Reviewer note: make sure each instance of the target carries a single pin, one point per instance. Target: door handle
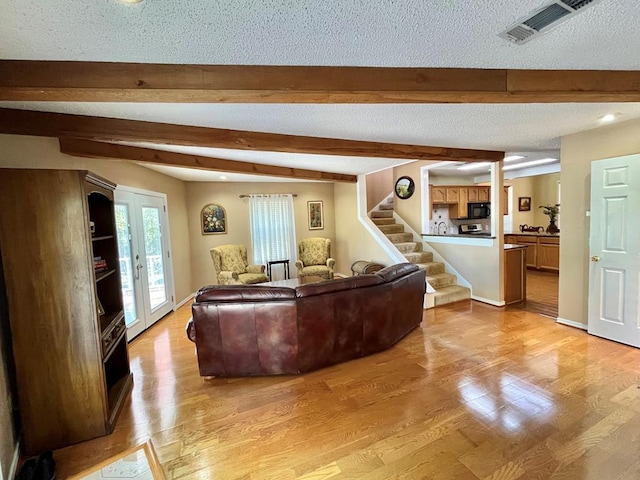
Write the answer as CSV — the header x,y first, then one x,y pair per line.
x,y
595,258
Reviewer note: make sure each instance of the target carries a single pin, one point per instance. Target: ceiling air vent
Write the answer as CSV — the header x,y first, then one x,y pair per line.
x,y
544,19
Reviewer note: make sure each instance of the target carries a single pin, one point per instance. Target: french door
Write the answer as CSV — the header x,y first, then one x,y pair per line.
x,y
145,267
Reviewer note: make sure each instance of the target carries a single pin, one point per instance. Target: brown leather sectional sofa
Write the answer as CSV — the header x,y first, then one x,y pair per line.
x,y
262,330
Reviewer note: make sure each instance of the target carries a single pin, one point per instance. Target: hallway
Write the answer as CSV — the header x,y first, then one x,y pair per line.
x,y
542,294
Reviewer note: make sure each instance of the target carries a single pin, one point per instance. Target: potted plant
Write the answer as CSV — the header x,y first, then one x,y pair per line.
x,y
552,211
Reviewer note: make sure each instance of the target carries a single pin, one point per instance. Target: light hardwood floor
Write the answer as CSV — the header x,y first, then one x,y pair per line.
x,y
476,392
542,294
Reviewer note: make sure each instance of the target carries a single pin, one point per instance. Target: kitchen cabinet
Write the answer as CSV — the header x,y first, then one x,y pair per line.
x,y
438,194
543,252
484,194
472,193
462,202
453,194
65,311
531,243
515,274
548,253
505,200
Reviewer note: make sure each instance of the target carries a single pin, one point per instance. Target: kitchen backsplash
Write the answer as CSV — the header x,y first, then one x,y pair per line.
x,y
441,224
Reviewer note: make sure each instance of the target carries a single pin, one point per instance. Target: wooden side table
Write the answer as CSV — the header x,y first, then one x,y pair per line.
x,y
285,266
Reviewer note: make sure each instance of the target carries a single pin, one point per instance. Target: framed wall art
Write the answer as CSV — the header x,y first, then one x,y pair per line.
x,y
316,216
524,204
404,187
214,219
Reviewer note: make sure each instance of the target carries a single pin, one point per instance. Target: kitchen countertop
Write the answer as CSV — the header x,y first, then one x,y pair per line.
x,y
456,235
513,246
534,234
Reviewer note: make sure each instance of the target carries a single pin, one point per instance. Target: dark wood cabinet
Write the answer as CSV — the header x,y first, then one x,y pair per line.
x,y
65,304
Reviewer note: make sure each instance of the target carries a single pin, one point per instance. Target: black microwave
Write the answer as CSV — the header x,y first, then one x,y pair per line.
x,y
478,210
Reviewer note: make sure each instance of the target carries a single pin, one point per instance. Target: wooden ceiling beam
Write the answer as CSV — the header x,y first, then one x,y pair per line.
x,y
44,124
92,149
27,80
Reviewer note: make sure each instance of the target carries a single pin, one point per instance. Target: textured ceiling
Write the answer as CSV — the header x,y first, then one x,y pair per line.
x,y
416,33
429,33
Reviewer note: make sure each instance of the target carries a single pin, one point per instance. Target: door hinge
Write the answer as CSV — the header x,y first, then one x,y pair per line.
x,y
168,254
164,207
172,298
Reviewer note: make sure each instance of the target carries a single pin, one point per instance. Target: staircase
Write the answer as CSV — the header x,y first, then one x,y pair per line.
x,y
445,284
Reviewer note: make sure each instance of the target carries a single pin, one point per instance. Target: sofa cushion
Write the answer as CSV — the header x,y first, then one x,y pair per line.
x,y
247,293
330,286
390,273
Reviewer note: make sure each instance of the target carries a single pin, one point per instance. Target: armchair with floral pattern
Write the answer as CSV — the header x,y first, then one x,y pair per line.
x,y
230,264
314,258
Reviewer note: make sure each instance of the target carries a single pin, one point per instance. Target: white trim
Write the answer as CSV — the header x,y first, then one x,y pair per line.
x,y
459,240
501,303
180,304
571,323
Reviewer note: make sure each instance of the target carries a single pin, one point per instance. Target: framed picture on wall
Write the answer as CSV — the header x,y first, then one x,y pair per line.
x,y
214,219
316,217
524,204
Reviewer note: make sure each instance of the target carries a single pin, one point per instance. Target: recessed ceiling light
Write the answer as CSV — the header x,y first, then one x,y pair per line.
x,y
511,158
130,1
532,163
609,117
473,166
222,177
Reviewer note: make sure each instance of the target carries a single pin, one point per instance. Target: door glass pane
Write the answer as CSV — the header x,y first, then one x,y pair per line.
x,y
153,250
126,263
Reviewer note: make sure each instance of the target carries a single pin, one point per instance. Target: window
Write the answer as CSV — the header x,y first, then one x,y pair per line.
x,y
273,232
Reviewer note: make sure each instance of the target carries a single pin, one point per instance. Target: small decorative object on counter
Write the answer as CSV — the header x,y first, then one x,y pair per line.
x,y
552,211
527,229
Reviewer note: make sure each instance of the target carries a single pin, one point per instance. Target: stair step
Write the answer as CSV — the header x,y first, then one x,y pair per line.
x,y
408,247
383,221
399,237
382,214
386,206
432,268
451,294
420,257
441,280
390,200
395,228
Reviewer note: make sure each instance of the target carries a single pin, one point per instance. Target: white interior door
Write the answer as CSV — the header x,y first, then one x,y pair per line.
x,y
143,244
614,275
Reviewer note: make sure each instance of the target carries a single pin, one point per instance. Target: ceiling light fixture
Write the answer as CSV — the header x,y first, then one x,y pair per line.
x,y
473,166
511,158
222,177
532,163
130,1
609,117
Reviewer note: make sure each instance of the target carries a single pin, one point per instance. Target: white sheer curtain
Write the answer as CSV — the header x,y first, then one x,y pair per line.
x,y
273,231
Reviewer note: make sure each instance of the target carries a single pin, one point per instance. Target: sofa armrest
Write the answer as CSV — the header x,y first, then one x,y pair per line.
x,y
191,330
228,278
299,265
255,268
331,263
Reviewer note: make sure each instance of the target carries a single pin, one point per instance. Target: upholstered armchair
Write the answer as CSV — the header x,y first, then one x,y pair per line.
x,y
314,258
230,264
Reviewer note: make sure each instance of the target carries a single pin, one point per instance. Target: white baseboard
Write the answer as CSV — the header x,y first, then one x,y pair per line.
x,y
184,301
571,323
501,303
